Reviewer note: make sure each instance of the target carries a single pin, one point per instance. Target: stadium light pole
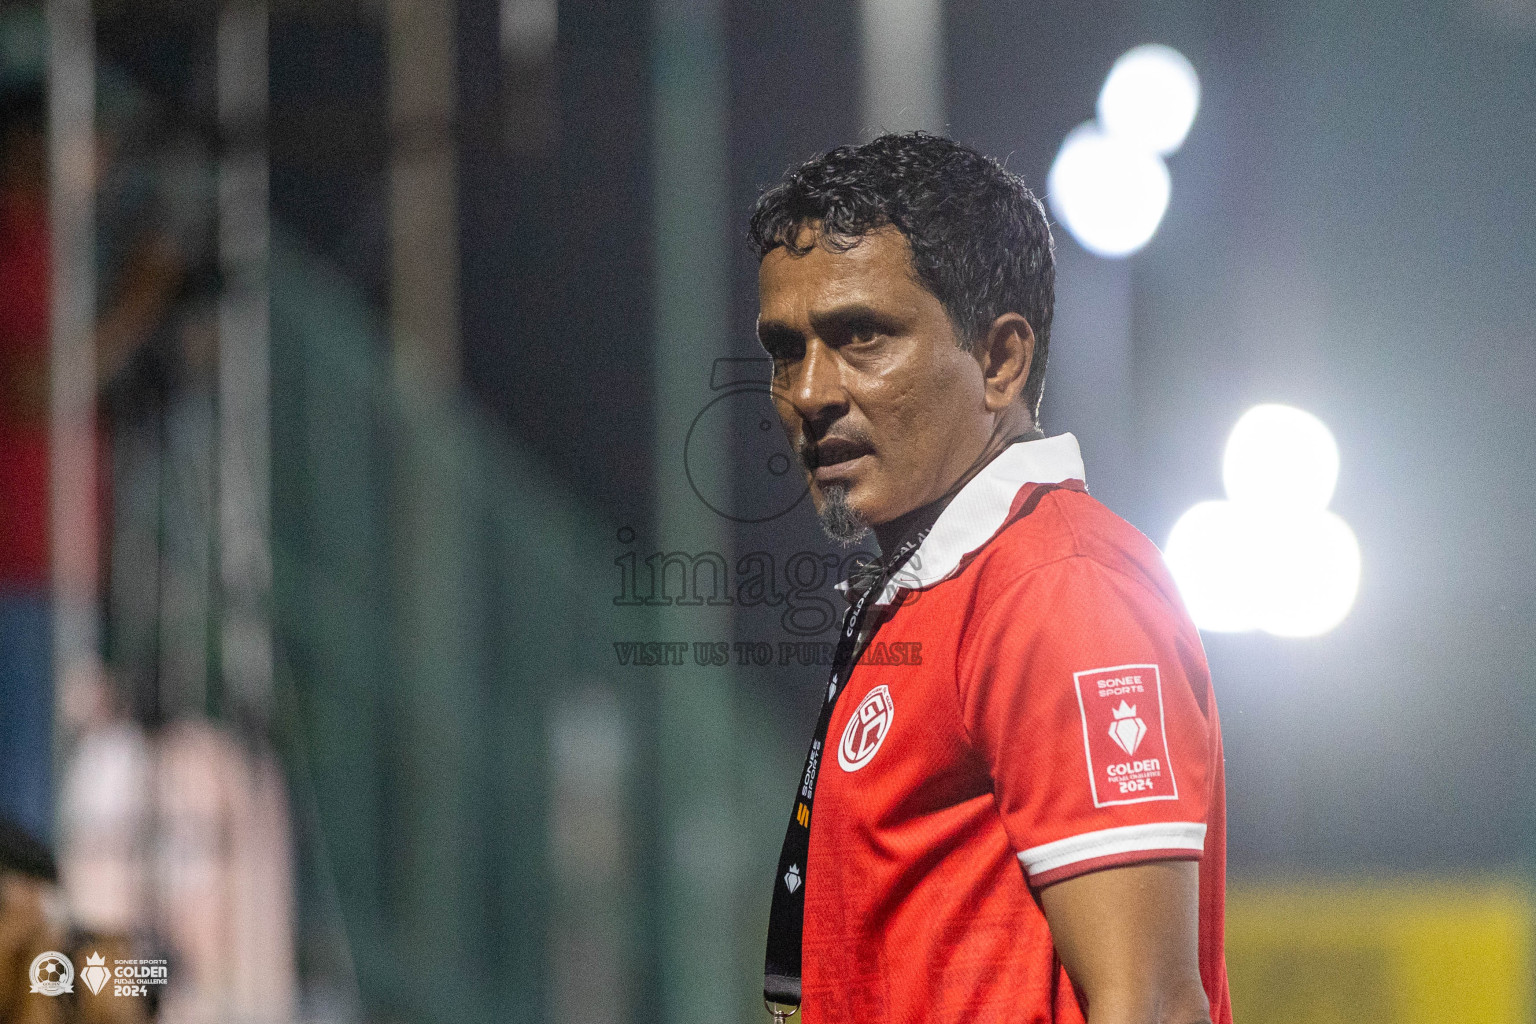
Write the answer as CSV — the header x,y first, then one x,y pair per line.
x,y
72,356
72,373
902,48
695,747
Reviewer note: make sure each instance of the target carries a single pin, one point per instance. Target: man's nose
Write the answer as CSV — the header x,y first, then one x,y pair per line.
x,y
816,390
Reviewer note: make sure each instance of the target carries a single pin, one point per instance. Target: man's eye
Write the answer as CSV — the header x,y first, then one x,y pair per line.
x,y
782,356
781,347
863,333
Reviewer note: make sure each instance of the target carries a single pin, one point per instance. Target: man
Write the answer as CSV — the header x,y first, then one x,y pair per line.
x,y
1029,823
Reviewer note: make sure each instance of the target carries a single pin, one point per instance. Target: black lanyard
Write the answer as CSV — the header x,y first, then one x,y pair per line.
x,y
786,921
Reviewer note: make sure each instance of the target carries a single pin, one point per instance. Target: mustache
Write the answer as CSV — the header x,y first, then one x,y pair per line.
x,y
808,448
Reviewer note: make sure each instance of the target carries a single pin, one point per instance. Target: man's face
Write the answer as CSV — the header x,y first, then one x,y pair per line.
x,y
875,394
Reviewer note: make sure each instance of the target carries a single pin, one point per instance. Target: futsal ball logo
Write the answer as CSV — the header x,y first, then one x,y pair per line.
x,y
52,974
1127,730
867,729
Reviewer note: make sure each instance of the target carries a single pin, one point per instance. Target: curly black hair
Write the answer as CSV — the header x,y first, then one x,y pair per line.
x,y
979,237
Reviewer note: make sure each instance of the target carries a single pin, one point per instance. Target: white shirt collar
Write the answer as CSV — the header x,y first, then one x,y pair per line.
x,y
978,511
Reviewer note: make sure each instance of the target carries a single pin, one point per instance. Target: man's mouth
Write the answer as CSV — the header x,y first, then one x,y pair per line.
x,y
836,458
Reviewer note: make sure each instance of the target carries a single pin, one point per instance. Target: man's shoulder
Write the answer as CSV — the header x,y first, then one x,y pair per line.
x,y
1051,525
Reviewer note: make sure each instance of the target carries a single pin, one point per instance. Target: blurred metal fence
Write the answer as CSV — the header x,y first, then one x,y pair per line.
x,y
476,783
489,803
426,615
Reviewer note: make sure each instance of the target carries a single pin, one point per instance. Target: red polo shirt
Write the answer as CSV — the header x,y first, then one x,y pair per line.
x,y
1061,720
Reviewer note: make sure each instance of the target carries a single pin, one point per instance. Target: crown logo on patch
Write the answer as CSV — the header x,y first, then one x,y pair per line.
x,y
1127,730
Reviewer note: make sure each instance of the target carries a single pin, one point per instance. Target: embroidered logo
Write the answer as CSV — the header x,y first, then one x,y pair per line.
x,y
867,729
1124,738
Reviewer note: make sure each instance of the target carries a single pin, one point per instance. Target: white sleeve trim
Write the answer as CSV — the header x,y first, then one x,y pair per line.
x,y
1166,835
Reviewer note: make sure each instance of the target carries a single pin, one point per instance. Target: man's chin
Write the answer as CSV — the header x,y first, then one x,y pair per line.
x,y
839,520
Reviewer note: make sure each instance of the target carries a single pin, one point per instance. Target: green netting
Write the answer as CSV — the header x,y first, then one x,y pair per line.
x,y
498,821
432,591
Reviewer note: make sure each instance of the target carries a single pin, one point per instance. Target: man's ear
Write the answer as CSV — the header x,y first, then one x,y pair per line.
x,y
1005,354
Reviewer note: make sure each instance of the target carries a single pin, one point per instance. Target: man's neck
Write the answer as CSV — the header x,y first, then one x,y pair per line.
x,y
890,535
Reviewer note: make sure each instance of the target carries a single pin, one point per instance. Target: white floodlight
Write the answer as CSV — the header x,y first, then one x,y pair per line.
x,y
1109,192
1272,556
1309,574
1210,554
1278,457
1150,97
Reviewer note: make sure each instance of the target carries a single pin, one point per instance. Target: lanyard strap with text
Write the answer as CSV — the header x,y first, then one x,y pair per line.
x,y
786,920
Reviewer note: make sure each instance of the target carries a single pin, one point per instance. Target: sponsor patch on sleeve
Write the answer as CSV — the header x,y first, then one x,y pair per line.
x,y
1123,735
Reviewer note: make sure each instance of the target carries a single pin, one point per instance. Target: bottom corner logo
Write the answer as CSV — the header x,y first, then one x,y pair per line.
x,y
52,974
95,974
792,878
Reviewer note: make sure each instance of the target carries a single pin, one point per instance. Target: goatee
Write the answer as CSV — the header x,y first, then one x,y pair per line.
x,y
838,519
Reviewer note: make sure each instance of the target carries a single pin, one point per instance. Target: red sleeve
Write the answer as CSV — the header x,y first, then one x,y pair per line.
x,y
1089,711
